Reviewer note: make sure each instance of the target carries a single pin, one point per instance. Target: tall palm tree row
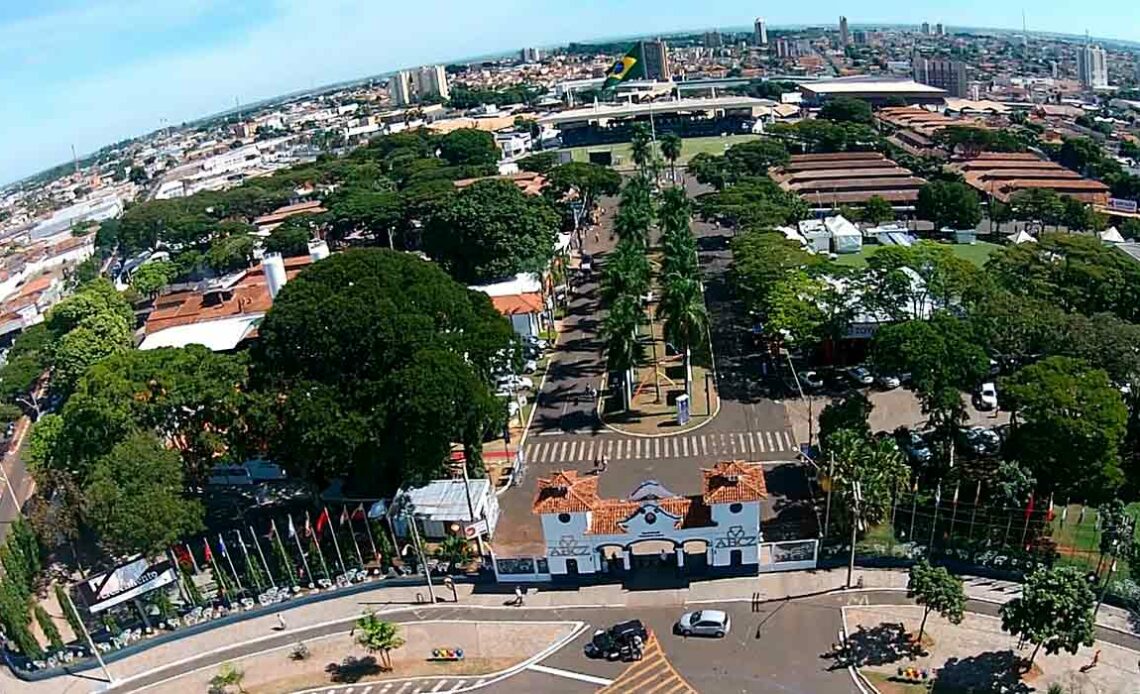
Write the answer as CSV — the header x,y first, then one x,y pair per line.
x,y
682,305
623,346
671,150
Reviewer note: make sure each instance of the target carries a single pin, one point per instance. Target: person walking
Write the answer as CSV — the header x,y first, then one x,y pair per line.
x,y
281,626
605,463
519,596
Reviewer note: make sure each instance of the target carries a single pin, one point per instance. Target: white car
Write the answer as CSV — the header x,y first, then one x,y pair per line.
x,y
986,399
703,623
860,376
530,366
512,382
810,380
887,381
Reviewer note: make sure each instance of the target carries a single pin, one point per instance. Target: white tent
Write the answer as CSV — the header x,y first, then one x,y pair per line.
x,y
1111,235
1020,237
845,236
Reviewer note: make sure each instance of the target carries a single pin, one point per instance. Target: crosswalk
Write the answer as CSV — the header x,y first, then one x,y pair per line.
x,y
696,445
421,685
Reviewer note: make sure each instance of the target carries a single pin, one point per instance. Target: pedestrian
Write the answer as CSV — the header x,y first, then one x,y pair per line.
x,y
597,239
518,596
593,393
281,622
605,463
595,465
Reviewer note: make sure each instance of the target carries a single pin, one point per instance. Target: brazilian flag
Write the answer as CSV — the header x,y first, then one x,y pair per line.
x,y
629,66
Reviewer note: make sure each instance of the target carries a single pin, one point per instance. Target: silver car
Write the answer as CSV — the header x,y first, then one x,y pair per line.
x,y
703,623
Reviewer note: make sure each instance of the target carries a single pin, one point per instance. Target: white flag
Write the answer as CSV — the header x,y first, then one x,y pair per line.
x,y
292,530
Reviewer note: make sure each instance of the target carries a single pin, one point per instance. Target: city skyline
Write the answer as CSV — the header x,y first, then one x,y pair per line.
x,y
90,76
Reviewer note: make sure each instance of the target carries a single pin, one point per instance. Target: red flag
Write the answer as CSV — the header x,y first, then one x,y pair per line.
x,y
322,521
182,554
1029,507
209,554
358,513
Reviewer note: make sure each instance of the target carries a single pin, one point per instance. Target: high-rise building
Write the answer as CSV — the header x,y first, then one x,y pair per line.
x,y
431,80
656,56
759,33
530,55
926,28
400,88
712,39
943,74
1092,67
844,35
938,30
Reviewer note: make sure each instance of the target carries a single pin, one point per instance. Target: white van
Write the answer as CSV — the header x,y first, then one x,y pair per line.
x,y
249,472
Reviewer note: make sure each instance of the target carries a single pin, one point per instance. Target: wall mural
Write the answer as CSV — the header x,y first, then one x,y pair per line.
x,y
568,546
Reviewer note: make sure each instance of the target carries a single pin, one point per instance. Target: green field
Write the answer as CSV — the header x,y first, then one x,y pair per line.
x,y
1078,543
689,148
977,253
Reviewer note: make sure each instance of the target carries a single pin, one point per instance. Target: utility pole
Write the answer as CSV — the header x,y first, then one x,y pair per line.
x,y
800,388
830,488
471,506
856,501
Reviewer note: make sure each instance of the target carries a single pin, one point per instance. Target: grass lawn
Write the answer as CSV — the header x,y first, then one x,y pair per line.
x,y
690,147
976,253
1079,544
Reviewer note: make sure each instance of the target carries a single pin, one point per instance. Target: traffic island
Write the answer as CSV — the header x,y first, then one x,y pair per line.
x,y
975,655
455,649
658,382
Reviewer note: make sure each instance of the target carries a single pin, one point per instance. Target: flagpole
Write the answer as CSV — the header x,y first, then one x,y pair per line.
x,y
974,512
276,534
934,522
913,510
336,543
317,544
297,537
954,513
261,554
894,505
248,561
217,572
230,561
1028,513
193,561
371,540
344,515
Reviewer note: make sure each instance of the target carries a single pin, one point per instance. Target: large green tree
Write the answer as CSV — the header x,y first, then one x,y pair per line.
x,y
949,205
846,110
468,147
590,181
339,361
936,590
136,497
1069,421
1054,610
491,230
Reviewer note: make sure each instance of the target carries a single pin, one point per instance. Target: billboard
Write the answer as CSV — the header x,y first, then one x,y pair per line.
x,y
126,582
1120,205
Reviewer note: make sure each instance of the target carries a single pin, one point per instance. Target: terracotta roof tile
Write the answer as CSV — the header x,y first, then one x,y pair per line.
x,y
733,481
566,492
609,514
513,304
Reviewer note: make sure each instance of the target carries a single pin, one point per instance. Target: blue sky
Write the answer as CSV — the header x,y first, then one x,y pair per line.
x,y
91,73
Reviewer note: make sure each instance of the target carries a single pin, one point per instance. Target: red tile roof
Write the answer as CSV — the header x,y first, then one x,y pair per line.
x,y
566,492
734,481
513,304
609,514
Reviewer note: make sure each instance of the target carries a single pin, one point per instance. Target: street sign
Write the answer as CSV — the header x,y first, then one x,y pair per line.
x,y
683,409
476,529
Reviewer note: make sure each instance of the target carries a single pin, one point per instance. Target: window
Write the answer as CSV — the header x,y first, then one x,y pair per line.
x,y
650,518
736,508
563,517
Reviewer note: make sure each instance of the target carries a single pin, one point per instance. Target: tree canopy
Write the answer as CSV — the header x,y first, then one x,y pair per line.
x,y
468,147
357,346
844,109
1054,610
949,205
936,590
491,230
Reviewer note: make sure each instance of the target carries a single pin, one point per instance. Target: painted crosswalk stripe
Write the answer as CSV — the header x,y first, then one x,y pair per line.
x,y
406,687
704,446
439,685
656,448
457,686
751,442
743,445
479,683
609,447
791,444
685,446
771,444
760,441
590,453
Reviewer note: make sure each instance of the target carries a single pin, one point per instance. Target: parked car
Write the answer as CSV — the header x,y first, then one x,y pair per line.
x,y
888,381
512,382
703,623
986,398
810,380
530,366
980,441
860,376
914,445
622,641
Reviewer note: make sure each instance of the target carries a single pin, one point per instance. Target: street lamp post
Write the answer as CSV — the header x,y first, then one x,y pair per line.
x,y
90,641
800,388
408,511
856,500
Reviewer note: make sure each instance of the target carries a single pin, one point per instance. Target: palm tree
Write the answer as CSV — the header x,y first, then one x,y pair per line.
x,y
623,348
686,318
625,272
378,636
632,223
456,550
671,150
641,147
228,676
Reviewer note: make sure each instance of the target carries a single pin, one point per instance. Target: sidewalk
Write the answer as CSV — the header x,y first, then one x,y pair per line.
x,y
775,586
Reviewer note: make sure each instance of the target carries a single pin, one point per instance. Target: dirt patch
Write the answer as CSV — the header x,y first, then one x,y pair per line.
x,y
488,647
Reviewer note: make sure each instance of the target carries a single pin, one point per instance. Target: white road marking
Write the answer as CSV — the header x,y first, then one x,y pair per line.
x,y
637,448
704,446
577,449
751,442
685,446
439,685
771,444
407,686
479,683
581,677
609,448
791,444
656,448
458,684
743,445
590,452
732,443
